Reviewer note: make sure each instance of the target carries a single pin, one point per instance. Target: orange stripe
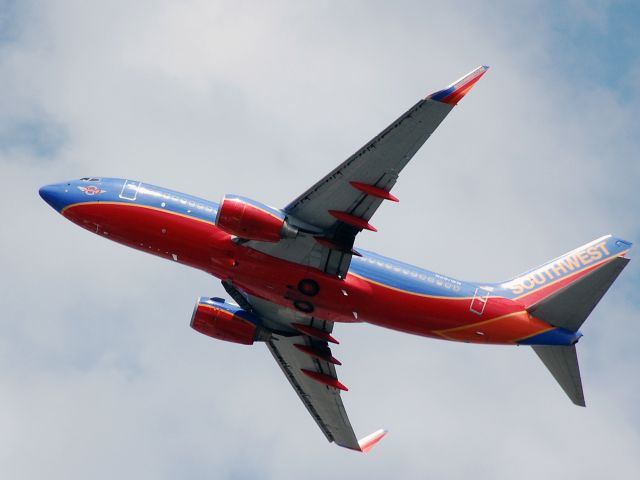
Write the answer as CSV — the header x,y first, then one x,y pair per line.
x,y
476,324
534,334
504,329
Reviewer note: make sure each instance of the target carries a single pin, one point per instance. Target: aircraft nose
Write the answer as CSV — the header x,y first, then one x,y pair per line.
x,y
47,192
54,195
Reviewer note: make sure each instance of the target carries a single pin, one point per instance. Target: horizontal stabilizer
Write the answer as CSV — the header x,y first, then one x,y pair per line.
x,y
570,306
562,362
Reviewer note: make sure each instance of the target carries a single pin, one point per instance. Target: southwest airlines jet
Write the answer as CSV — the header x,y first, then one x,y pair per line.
x,y
293,273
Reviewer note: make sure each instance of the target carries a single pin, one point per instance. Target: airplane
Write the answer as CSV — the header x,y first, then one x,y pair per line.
x,y
293,273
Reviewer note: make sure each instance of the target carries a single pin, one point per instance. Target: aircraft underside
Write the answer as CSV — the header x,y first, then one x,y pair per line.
x,y
455,310
293,273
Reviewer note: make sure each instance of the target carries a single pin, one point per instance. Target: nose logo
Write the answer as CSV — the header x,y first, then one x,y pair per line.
x,y
91,190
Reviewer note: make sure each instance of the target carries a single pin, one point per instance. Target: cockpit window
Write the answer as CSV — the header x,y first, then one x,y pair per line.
x,y
88,179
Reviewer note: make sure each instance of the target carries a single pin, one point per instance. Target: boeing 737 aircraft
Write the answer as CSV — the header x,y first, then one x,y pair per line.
x,y
293,273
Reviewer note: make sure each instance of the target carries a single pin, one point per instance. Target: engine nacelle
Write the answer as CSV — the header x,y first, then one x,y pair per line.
x,y
218,319
251,220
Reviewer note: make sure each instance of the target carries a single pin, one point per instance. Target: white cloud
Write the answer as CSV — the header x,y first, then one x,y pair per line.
x,y
101,375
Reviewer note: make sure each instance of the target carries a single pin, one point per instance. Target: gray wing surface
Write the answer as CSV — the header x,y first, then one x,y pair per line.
x,y
376,164
322,401
290,347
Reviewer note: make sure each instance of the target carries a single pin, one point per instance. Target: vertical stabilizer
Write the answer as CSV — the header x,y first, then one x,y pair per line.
x,y
562,362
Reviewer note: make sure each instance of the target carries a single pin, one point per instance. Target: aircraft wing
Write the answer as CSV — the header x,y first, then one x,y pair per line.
x,y
329,216
300,346
334,210
310,368
307,363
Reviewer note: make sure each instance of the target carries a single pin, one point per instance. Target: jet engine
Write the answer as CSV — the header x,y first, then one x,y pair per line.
x,y
251,220
221,320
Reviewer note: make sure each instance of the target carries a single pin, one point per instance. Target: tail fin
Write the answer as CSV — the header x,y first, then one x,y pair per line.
x,y
568,308
536,285
563,293
562,362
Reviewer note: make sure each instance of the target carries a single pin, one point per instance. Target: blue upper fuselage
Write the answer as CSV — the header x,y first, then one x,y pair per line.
x,y
118,190
372,266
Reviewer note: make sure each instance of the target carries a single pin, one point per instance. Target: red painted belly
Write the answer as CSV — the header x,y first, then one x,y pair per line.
x,y
199,244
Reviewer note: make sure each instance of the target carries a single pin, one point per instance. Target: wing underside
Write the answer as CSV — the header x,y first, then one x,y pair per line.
x,y
334,210
300,357
300,345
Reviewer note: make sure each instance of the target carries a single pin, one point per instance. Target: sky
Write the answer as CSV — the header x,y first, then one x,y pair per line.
x,y
100,374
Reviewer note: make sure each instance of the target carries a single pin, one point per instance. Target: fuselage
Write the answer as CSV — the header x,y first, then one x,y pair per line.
x,y
378,290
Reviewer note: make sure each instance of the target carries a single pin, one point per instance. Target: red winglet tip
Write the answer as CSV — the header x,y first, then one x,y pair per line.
x,y
458,89
370,441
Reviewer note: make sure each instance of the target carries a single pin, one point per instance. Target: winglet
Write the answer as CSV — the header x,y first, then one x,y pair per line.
x,y
458,89
368,442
